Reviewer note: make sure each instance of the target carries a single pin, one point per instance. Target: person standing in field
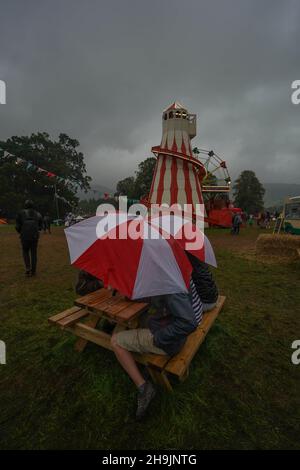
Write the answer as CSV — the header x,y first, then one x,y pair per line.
x,y
268,220
29,223
47,223
236,222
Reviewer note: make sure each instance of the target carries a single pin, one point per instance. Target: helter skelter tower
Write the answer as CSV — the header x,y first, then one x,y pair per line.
x,y
178,174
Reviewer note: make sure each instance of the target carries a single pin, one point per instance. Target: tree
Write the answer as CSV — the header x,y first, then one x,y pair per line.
x,y
88,207
249,192
126,187
138,186
24,181
144,176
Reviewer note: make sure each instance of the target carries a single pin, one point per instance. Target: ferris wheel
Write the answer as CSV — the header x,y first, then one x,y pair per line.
x,y
217,179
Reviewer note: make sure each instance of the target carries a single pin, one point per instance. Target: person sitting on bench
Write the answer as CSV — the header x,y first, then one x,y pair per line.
x,y
176,317
87,283
204,282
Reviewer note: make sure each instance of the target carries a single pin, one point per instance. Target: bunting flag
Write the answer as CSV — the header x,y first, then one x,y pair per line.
x,y
29,166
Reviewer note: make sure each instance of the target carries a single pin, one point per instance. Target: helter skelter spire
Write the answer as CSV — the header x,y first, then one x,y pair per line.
x,y
178,174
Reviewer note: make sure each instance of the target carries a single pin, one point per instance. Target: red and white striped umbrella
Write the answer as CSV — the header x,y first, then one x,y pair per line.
x,y
189,236
132,255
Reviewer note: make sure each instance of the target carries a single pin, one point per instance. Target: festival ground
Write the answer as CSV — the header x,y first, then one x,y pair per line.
x,y
242,391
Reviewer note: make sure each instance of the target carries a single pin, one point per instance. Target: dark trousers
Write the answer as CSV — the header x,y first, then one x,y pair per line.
x,y
47,227
29,248
235,230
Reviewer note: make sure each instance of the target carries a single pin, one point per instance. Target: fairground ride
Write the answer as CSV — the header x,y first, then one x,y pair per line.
x,y
216,186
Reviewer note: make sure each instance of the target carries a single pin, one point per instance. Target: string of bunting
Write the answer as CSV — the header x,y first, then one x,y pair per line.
x,y
32,167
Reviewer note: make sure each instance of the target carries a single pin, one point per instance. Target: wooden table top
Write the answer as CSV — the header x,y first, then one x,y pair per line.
x,y
119,309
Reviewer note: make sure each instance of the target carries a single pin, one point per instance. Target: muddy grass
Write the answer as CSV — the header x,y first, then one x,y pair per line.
x,y
242,243
242,392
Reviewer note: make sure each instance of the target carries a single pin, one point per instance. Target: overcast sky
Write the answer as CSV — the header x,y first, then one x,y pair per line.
x,y
103,71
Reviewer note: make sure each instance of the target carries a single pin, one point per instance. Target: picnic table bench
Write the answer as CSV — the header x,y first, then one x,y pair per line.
x,y
83,318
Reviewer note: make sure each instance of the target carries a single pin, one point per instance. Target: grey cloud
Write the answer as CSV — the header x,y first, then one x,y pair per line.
x,y
103,71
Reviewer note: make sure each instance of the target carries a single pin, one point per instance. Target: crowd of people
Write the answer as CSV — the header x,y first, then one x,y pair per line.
x,y
261,219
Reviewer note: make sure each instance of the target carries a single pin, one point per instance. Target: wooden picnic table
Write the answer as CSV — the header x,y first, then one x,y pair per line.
x,y
85,316
83,320
113,307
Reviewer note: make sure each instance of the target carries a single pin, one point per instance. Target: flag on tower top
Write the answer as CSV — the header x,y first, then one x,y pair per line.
x,y
175,105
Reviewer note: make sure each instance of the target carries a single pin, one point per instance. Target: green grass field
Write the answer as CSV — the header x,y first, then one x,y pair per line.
x,y
243,392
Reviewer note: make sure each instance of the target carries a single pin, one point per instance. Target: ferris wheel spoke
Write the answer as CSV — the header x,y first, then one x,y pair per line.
x,y
217,174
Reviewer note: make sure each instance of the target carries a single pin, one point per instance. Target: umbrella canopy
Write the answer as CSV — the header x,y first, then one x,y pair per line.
x,y
189,236
131,254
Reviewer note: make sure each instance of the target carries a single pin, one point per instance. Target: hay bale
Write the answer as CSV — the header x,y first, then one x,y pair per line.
x,y
279,245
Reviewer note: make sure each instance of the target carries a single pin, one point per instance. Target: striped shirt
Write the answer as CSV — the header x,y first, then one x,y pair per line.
x,y
196,302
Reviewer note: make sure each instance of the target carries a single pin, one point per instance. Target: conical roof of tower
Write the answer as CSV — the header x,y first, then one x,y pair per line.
x,y
175,105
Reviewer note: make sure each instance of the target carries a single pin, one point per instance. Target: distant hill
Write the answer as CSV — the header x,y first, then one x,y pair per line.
x,y
95,192
276,192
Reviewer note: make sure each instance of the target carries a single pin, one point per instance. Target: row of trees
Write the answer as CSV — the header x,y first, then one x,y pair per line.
x,y
248,192
62,158
135,187
89,206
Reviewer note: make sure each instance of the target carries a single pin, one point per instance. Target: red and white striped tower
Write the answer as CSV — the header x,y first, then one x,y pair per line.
x,y
178,174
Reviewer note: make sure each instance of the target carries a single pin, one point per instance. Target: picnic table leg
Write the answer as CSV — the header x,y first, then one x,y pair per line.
x,y
160,378
92,321
185,375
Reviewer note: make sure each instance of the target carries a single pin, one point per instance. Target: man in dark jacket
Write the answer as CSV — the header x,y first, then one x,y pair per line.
x,y
236,222
28,224
176,317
